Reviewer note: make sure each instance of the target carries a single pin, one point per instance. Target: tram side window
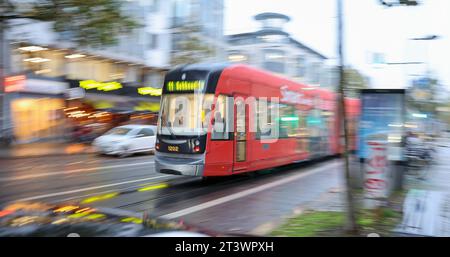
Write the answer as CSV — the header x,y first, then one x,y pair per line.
x,y
289,121
222,120
264,120
303,131
314,123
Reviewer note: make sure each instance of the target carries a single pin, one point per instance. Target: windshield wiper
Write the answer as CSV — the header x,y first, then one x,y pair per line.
x,y
171,132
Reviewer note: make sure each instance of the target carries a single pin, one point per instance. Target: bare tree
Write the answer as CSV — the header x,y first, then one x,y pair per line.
x,y
351,225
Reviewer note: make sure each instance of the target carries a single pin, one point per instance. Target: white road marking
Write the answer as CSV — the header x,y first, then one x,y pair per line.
x,y
46,174
87,189
247,192
73,163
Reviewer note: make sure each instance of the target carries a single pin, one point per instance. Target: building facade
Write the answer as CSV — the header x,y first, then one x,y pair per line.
x,y
271,48
52,86
152,46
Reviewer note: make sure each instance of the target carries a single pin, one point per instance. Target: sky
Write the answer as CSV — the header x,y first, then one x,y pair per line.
x,y
369,28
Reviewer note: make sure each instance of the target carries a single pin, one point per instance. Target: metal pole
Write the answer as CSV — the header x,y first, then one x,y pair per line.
x,y
2,77
4,71
351,213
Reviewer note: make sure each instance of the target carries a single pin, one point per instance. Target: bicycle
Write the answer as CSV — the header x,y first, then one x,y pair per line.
x,y
419,160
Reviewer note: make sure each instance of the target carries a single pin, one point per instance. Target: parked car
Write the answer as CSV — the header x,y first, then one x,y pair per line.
x,y
87,133
127,140
7,137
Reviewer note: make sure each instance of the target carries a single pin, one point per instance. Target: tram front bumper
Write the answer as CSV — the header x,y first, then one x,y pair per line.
x,y
179,166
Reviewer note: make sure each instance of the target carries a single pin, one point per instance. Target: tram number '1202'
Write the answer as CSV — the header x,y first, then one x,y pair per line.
x,y
173,148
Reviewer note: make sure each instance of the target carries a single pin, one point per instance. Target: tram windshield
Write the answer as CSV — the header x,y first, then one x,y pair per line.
x,y
185,114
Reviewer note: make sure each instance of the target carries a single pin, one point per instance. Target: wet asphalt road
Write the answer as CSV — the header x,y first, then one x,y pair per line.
x,y
237,204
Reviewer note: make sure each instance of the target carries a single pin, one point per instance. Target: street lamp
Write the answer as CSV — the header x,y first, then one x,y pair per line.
x,y
390,3
431,37
425,38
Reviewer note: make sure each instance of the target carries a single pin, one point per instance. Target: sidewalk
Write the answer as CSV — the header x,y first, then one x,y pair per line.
x,y
44,149
426,209
424,212
332,200
324,215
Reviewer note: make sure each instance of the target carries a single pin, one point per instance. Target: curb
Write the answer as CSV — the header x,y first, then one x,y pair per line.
x,y
266,228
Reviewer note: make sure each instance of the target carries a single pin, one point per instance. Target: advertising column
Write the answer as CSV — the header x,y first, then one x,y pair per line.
x,y
381,140
376,177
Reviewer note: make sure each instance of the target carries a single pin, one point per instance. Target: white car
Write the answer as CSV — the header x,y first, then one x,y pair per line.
x,y
126,140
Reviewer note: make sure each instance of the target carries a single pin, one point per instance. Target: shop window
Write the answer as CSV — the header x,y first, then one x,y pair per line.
x,y
37,118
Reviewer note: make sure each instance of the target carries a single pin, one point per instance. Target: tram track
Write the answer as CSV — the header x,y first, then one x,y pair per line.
x,y
198,188
195,187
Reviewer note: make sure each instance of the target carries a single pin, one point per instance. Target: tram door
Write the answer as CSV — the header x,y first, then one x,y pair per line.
x,y
241,160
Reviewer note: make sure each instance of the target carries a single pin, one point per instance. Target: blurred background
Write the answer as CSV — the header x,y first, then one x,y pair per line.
x,y
61,73
72,70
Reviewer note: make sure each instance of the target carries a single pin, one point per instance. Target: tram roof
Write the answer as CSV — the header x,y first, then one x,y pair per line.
x,y
210,67
269,78
257,75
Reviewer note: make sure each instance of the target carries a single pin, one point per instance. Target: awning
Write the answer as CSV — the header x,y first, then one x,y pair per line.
x,y
122,104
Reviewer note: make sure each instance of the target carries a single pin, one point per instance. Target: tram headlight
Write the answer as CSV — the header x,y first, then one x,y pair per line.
x,y
157,144
197,142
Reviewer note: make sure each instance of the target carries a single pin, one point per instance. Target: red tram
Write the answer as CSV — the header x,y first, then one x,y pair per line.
x,y
220,120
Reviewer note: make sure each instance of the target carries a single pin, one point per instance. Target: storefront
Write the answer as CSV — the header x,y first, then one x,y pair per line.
x,y
103,105
33,108
43,109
